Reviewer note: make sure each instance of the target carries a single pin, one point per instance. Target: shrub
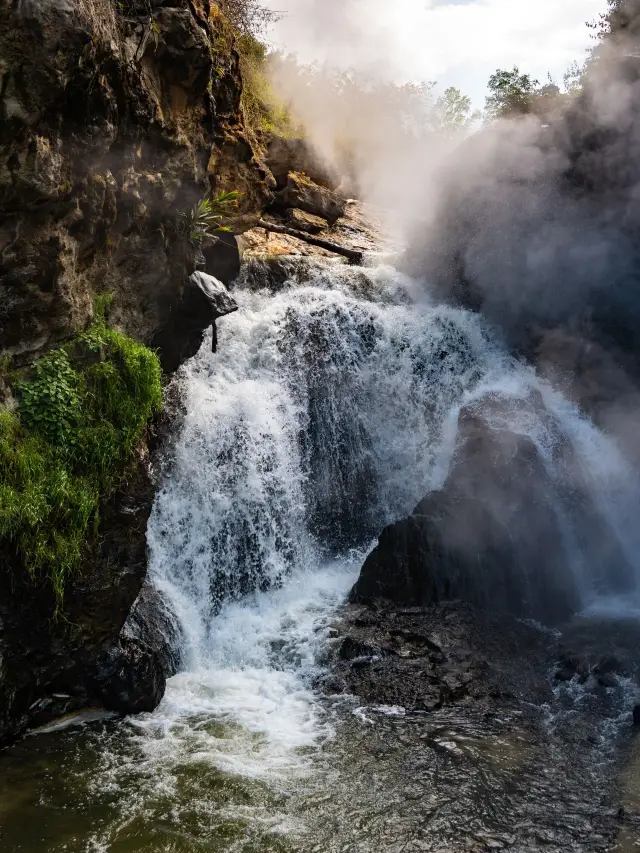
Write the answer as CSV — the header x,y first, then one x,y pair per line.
x,y
208,216
263,109
81,414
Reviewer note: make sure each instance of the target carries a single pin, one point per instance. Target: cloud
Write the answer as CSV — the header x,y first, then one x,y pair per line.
x,y
459,43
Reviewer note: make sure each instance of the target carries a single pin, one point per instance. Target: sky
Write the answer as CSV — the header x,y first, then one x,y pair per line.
x,y
453,42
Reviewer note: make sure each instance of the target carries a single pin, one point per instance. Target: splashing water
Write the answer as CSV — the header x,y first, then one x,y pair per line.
x,y
329,411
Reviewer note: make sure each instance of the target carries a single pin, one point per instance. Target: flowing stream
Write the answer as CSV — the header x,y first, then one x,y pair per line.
x,y
329,410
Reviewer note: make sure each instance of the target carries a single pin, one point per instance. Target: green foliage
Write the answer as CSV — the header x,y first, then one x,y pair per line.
x,y
511,93
452,113
80,416
263,109
208,215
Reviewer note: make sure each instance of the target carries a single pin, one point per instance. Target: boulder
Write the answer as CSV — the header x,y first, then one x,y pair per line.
x,y
495,534
301,192
152,624
297,155
307,222
217,301
204,300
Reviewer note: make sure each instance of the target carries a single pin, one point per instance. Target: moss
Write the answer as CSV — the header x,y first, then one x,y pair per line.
x,y
81,415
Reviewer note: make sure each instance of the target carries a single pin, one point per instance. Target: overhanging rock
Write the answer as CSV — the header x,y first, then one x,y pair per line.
x,y
218,298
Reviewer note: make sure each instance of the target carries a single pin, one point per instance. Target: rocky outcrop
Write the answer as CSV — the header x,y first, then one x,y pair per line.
x,y
496,534
114,118
300,192
49,668
307,222
204,300
297,155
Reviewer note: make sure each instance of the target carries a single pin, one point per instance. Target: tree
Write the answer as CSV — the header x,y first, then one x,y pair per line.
x,y
452,113
511,94
249,17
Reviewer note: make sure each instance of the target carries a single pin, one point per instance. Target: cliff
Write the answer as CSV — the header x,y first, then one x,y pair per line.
x,y
115,119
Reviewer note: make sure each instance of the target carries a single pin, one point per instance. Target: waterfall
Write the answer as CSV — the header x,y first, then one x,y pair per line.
x,y
329,411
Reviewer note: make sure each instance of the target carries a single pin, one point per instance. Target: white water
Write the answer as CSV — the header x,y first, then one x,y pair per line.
x,y
329,410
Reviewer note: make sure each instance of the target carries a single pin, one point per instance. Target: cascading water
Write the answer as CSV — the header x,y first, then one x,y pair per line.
x,y
331,409
328,412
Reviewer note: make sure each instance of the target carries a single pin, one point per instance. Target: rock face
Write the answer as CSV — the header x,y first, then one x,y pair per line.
x,y
302,193
51,668
114,118
297,155
494,535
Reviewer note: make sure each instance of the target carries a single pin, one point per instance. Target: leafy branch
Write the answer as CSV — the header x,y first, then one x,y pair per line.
x,y
208,216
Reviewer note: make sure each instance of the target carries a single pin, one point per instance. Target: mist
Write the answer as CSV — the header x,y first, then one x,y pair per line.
x,y
533,219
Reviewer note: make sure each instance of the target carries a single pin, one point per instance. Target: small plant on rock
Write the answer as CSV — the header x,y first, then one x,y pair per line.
x,y
208,216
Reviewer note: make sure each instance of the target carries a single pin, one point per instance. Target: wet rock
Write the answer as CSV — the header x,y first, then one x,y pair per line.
x,y
297,155
432,700
204,300
41,658
403,666
636,716
129,678
612,665
300,192
494,534
153,625
352,650
571,665
306,222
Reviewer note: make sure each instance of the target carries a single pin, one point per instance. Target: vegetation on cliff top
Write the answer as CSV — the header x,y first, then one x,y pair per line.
x,y
81,415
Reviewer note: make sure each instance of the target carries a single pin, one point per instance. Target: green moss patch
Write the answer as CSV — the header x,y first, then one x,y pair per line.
x,y
81,414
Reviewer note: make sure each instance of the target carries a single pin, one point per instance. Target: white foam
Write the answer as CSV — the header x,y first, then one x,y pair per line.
x,y
345,391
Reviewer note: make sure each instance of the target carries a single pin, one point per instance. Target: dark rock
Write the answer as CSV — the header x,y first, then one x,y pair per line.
x,y
40,657
129,678
297,155
222,257
611,664
608,680
302,193
636,715
432,700
352,650
571,665
151,623
494,535
204,300
472,661
489,537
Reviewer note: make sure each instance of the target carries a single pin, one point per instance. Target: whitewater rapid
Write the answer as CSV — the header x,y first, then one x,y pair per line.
x,y
329,411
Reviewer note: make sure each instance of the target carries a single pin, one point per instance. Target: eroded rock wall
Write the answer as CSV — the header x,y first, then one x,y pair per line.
x,y
115,118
